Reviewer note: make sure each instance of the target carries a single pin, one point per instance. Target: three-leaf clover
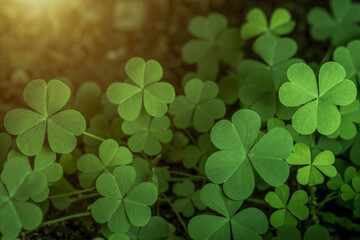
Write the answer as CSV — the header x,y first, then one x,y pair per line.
x,y
110,156
318,103
348,58
336,182
349,192
199,107
121,204
147,133
289,210
257,24
314,232
214,41
312,172
31,126
246,224
237,156
189,198
18,184
340,27
146,92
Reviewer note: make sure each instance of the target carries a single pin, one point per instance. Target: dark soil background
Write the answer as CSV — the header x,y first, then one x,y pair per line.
x,y
82,41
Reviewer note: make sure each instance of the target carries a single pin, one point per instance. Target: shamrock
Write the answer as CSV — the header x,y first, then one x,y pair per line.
x,y
311,173
147,133
318,110
233,163
121,204
215,42
146,89
288,211
336,182
190,198
342,27
199,107
87,100
18,184
177,145
111,155
194,155
156,228
30,126
160,177
100,126
348,58
5,144
246,224
229,87
350,118
314,232
349,192
257,24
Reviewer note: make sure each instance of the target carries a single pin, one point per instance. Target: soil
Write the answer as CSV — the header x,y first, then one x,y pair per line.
x,y
78,41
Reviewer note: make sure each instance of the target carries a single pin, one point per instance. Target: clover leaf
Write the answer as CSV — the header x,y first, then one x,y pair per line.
x,y
18,184
5,144
87,100
318,104
336,182
237,156
197,155
160,177
246,224
121,204
312,173
215,41
146,92
352,192
348,58
199,107
30,126
100,126
177,145
190,198
147,134
68,161
156,228
229,87
289,210
314,232
257,24
63,186
111,156
350,118
341,27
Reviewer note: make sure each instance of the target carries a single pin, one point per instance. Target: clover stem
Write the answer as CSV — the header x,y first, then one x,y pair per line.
x,y
93,136
256,201
327,55
77,215
72,193
192,139
331,196
82,197
176,213
186,175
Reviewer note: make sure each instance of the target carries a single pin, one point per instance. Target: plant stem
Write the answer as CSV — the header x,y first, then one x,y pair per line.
x,y
72,193
187,175
91,195
331,196
256,201
94,136
327,55
77,215
176,213
192,139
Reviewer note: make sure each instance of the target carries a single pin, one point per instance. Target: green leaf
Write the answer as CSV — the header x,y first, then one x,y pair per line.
x,y
314,232
318,110
186,205
160,177
231,164
147,134
146,92
199,107
287,211
110,156
5,144
87,100
121,204
62,127
312,173
257,24
340,27
246,224
156,228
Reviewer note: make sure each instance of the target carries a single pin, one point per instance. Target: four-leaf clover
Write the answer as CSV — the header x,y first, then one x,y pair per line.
x,y
31,126
318,104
